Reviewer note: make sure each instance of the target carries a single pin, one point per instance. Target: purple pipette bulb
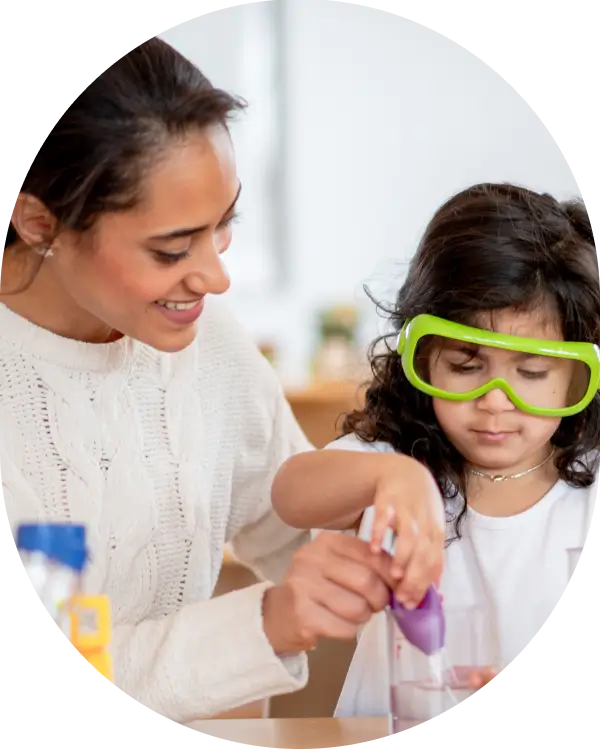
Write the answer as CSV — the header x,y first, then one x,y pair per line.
x,y
423,626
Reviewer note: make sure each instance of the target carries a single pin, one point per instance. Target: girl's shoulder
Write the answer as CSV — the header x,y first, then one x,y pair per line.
x,y
352,442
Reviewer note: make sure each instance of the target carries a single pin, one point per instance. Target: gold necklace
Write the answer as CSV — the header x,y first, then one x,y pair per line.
x,y
502,478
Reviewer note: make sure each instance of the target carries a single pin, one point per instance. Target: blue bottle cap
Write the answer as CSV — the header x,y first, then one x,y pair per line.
x,y
62,542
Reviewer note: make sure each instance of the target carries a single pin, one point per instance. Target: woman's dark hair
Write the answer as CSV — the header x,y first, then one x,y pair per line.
x,y
94,158
489,248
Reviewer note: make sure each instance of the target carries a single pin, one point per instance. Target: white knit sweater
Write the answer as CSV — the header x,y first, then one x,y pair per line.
x,y
165,458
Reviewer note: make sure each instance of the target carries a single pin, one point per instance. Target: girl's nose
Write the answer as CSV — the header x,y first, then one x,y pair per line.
x,y
495,401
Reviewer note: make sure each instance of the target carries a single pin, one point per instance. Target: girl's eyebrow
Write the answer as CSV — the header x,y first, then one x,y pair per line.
x,y
466,347
463,347
523,356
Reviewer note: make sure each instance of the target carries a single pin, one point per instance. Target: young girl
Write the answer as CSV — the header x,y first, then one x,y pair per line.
x,y
496,395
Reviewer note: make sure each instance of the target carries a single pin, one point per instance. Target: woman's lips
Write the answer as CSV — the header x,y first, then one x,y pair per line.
x,y
182,317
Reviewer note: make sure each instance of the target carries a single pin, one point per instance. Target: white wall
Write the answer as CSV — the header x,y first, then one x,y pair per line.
x,y
386,119
235,48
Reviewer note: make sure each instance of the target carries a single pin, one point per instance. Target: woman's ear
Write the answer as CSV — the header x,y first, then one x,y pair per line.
x,y
33,222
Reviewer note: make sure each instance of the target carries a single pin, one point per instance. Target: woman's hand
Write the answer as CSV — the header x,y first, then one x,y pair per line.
x,y
334,585
408,501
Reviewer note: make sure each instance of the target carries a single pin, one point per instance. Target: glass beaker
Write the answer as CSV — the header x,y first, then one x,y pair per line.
x,y
421,686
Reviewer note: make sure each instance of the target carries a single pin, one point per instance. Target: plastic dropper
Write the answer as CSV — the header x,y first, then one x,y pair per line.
x,y
423,627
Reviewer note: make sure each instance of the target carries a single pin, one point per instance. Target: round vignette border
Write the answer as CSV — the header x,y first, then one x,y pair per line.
x,y
534,662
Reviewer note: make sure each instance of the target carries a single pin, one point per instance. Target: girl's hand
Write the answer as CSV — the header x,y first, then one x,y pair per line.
x,y
473,678
408,501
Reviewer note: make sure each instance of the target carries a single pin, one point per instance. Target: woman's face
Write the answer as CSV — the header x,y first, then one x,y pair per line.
x,y
145,272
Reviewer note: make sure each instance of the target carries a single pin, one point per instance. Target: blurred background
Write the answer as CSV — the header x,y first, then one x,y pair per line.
x,y
359,125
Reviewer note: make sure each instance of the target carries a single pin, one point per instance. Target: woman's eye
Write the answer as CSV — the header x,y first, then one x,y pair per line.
x,y
227,222
170,258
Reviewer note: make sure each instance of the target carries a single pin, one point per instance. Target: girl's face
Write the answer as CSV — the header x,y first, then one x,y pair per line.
x,y
490,432
145,272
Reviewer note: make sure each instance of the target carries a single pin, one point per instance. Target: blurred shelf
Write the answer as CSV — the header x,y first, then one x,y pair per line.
x,y
320,407
325,393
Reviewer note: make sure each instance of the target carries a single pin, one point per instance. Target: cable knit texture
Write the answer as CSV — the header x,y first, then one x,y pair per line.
x,y
165,458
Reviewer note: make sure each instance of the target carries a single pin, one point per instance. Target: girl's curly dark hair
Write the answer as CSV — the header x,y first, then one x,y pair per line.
x,y
490,247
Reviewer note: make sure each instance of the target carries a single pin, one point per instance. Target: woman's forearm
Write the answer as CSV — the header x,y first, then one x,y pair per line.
x,y
209,657
331,488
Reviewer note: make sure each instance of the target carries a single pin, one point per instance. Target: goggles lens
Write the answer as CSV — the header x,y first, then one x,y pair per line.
x,y
459,367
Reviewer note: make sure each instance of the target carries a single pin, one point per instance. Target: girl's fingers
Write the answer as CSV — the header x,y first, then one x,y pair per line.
x,y
384,519
418,575
419,548
407,534
476,677
424,565
438,538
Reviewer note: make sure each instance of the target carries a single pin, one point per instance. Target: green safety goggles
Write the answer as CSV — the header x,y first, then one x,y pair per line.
x,y
461,363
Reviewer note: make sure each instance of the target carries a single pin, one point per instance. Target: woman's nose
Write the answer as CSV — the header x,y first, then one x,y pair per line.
x,y
210,275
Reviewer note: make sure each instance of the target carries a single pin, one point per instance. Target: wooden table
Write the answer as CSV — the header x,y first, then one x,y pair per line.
x,y
295,733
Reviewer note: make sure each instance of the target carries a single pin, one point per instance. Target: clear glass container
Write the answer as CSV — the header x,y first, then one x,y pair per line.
x,y
421,686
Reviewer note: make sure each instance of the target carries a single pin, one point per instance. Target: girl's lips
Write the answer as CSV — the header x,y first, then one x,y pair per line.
x,y
182,317
490,437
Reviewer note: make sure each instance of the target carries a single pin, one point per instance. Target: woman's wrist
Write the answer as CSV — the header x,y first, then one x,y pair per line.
x,y
274,615
278,621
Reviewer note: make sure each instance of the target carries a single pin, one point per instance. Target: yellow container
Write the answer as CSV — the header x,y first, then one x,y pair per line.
x,y
91,631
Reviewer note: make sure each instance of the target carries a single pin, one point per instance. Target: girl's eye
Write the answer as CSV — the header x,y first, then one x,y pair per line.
x,y
463,368
170,258
532,375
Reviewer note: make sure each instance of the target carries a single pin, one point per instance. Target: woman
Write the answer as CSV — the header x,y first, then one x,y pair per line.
x,y
122,408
